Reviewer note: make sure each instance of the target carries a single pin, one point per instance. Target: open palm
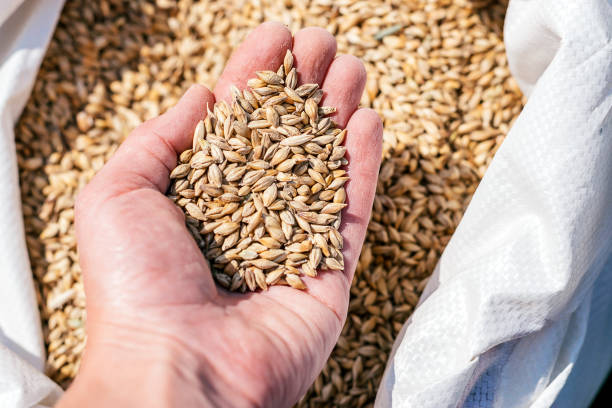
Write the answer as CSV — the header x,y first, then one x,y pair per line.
x,y
151,300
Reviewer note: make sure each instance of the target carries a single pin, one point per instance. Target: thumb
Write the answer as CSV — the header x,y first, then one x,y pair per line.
x,y
146,157
128,232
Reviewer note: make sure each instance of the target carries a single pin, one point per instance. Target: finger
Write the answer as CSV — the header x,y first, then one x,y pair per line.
x,y
363,151
364,147
313,50
263,49
343,87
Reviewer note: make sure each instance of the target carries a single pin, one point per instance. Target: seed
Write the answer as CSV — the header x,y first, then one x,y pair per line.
x,y
315,257
288,62
260,279
195,212
272,116
339,195
333,208
270,77
258,165
336,239
270,242
200,160
321,242
286,165
337,153
269,195
255,83
237,282
263,183
316,176
308,270
311,109
180,171
226,228
337,183
258,124
333,264
273,254
287,217
314,218
251,177
215,177
248,254
229,197
303,223
234,157
235,174
185,156
306,89
324,140
249,278
296,140
273,228
294,96
291,80
274,276
326,110
275,100
303,246
280,155
263,263
295,281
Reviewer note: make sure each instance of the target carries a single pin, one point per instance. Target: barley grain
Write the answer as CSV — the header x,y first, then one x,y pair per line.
x,y
221,240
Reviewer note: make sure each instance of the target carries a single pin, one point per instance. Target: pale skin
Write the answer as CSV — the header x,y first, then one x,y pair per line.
x,y
160,332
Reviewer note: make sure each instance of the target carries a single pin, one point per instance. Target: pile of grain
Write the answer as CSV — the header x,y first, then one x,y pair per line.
x,y
262,186
437,75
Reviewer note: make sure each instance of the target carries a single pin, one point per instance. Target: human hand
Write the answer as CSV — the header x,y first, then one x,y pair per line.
x,y
160,333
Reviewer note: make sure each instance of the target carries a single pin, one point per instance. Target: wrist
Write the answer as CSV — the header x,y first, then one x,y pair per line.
x,y
147,364
137,371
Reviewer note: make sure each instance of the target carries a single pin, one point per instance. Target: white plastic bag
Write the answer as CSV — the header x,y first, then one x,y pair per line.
x,y
519,312
25,29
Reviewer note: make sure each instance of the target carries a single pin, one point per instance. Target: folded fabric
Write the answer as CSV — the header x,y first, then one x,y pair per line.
x,y
521,295
25,30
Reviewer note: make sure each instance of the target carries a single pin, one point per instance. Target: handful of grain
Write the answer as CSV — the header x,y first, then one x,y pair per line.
x,y
262,186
